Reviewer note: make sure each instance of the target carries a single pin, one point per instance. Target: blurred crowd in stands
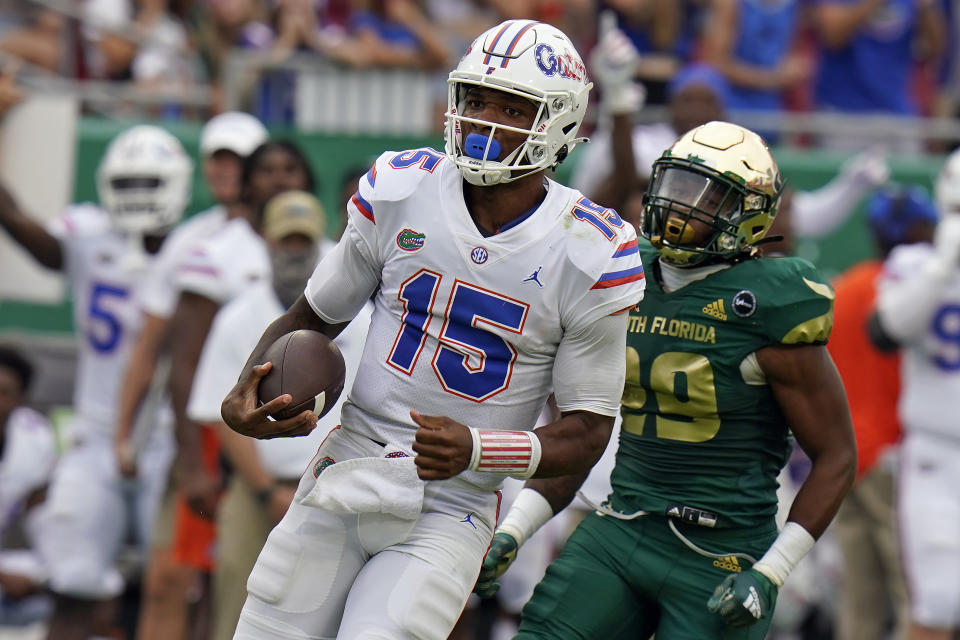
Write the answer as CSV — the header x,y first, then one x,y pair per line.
x,y
895,57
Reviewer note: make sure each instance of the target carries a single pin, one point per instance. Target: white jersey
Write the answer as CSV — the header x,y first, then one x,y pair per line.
x,y
103,269
160,289
227,263
930,364
236,330
468,326
26,461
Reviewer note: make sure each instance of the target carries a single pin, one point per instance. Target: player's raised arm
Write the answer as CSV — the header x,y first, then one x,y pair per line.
x,y
28,233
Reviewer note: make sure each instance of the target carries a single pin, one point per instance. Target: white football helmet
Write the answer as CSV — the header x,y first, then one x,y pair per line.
x,y
535,61
946,191
144,180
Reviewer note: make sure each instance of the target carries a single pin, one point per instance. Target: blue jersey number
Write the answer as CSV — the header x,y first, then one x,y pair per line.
x,y
470,361
607,221
422,158
105,329
946,326
417,295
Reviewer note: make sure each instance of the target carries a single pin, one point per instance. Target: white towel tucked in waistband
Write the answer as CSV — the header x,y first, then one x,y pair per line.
x,y
370,485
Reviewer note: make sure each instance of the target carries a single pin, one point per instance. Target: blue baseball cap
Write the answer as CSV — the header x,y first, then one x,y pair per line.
x,y
892,210
700,74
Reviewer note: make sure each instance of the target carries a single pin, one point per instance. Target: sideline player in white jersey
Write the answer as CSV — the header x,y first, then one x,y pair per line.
x,y
27,457
222,267
266,472
494,286
225,142
143,181
918,309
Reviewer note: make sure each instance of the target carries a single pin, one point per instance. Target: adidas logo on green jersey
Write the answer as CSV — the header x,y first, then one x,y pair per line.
x,y
728,563
716,310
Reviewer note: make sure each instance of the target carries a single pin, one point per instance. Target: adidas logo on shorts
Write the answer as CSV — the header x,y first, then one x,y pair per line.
x,y
728,563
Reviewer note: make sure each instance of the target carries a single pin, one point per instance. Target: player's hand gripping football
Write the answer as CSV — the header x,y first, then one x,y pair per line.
x,y
443,447
743,598
241,413
502,553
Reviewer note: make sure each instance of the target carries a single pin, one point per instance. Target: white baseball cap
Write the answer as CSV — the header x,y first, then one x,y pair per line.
x,y
234,131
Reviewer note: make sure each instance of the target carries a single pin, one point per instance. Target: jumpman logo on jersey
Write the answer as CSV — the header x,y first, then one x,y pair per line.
x,y
535,277
469,520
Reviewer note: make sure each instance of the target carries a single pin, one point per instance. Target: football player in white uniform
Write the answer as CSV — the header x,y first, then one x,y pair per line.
x,y
225,141
493,286
27,457
266,471
143,181
226,264
918,308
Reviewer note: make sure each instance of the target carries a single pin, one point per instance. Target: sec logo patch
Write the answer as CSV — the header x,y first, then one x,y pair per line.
x,y
479,255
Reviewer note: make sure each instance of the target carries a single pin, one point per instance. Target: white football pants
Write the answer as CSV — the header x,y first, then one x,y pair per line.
x,y
929,512
323,574
91,509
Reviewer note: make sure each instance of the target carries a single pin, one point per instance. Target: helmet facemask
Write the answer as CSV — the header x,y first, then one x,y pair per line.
x,y
134,202
684,198
540,150
712,196
144,180
537,63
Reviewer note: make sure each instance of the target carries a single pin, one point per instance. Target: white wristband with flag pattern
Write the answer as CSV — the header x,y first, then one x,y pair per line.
x,y
512,453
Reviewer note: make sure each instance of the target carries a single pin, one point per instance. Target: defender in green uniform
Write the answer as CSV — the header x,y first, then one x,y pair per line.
x,y
725,359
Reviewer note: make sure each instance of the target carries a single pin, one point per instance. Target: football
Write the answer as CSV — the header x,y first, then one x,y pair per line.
x,y
307,365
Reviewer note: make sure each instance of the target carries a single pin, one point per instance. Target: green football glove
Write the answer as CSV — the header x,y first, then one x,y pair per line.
x,y
743,598
502,553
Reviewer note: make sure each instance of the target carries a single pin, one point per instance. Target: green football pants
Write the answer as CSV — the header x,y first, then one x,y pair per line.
x,y
619,579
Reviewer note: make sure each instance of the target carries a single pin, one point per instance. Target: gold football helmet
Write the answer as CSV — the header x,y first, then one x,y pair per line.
x,y
712,195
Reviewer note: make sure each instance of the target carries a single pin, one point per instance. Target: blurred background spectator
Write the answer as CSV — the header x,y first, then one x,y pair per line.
x,y
27,457
754,44
36,36
868,53
657,30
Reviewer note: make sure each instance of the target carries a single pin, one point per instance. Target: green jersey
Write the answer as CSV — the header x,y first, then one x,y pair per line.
x,y
703,438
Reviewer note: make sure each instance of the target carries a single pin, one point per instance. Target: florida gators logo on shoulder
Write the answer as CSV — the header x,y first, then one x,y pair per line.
x,y
322,464
410,240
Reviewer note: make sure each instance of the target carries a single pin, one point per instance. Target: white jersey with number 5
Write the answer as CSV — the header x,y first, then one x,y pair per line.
x,y
103,270
468,326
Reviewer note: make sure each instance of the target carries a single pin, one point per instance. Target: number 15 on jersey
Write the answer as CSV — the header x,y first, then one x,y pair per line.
x,y
470,361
